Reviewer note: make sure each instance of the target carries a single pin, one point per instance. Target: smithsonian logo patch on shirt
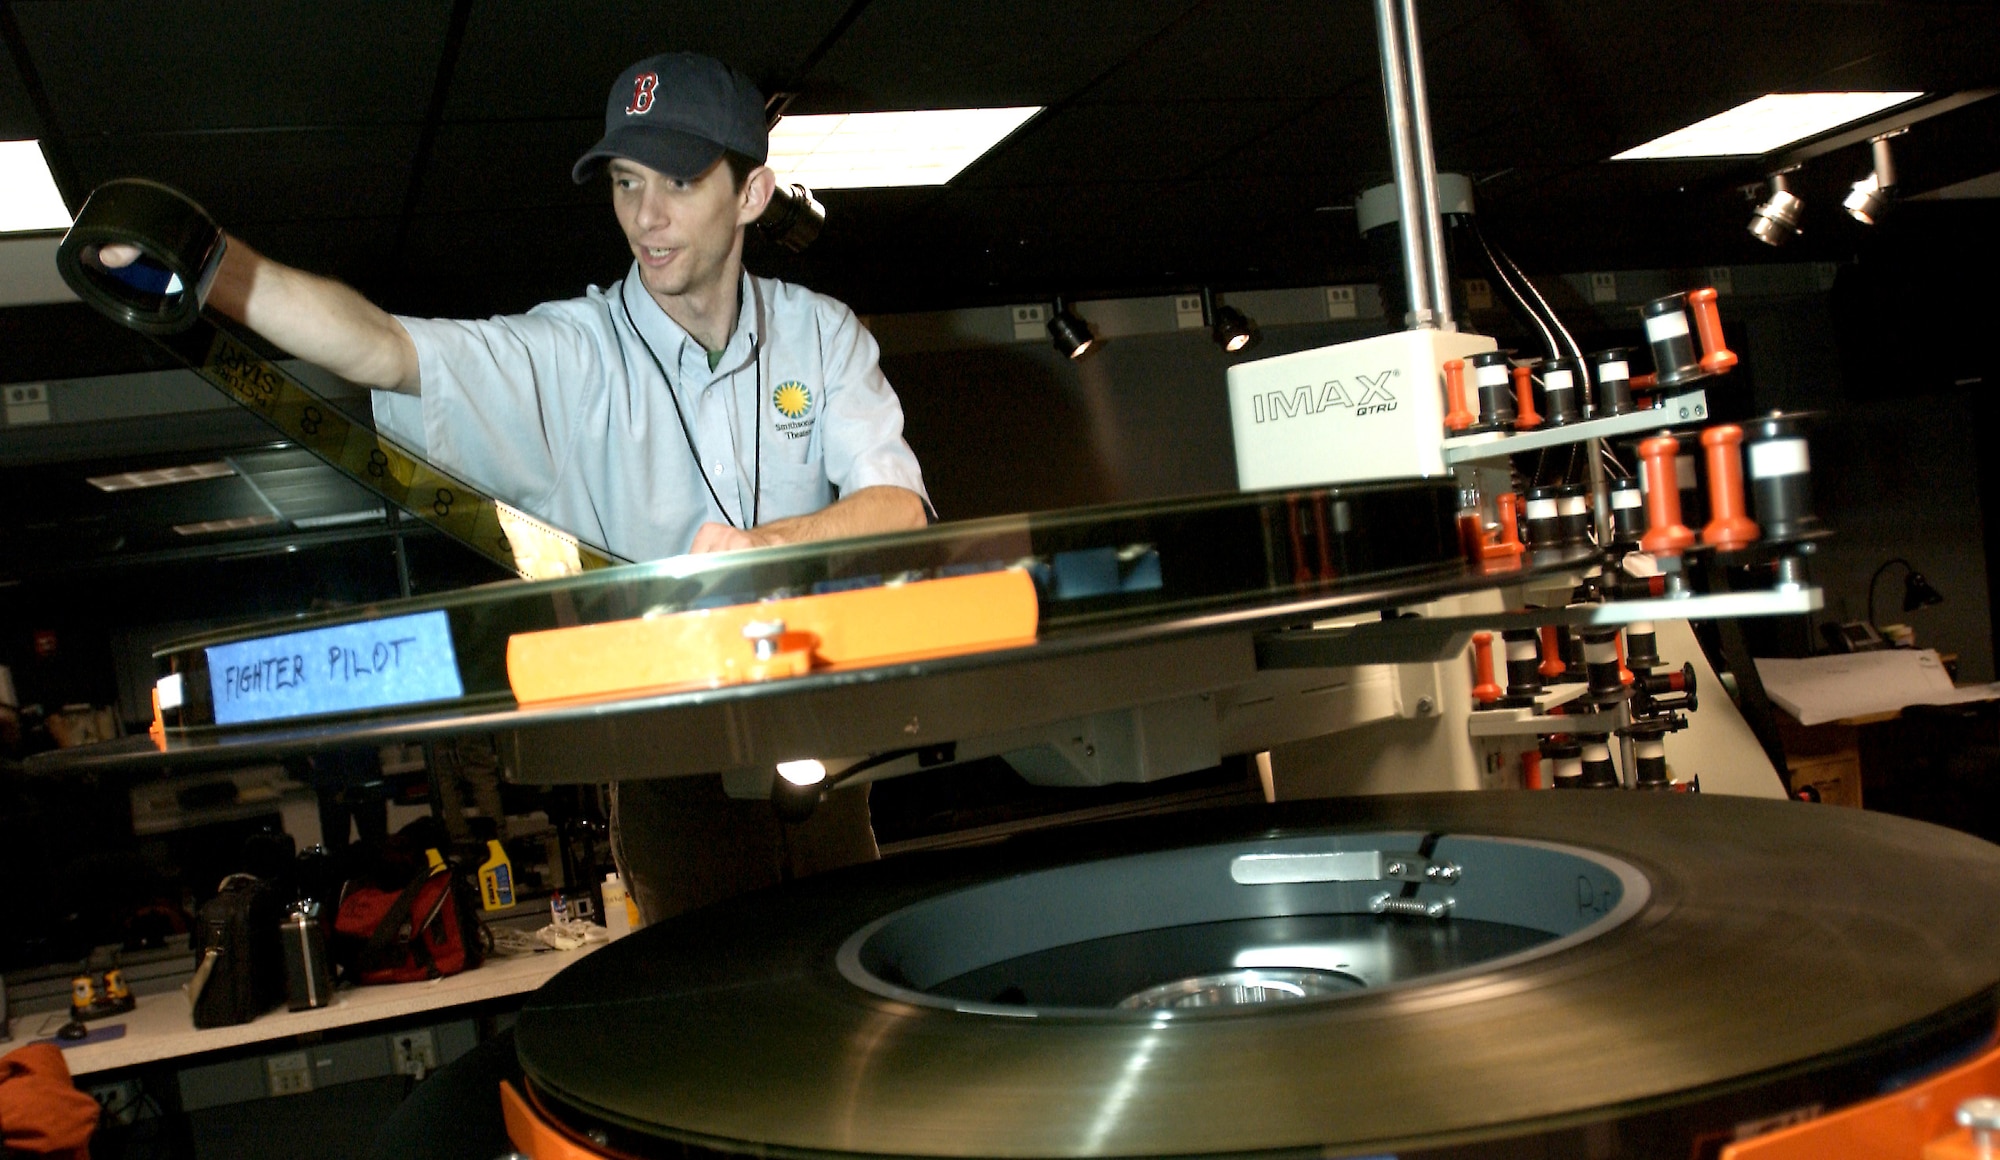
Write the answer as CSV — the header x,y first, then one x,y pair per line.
x,y
792,399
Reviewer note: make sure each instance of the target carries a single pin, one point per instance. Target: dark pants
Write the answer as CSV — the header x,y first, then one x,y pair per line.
x,y
455,1114
681,843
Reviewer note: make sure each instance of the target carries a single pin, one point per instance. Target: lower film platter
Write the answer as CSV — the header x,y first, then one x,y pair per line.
x,y
1634,974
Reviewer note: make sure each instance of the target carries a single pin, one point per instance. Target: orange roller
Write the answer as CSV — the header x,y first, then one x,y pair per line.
x,y
1509,542
1730,529
1665,534
1525,416
1458,418
1716,357
1553,665
1484,689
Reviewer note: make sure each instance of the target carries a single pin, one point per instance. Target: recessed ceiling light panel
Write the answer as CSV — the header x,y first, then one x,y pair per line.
x,y
1766,125
160,477
876,150
28,197
210,527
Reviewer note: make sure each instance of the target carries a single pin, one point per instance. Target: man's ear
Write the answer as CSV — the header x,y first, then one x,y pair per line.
x,y
757,188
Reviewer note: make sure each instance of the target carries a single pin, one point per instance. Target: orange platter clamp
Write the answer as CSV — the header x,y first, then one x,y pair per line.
x,y
1916,1123
776,638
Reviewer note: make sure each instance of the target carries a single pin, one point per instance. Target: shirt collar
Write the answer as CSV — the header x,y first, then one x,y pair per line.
x,y
674,343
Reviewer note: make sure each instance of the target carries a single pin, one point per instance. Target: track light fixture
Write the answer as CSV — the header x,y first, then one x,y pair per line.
x,y
796,791
1072,335
794,217
1231,329
1777,220
1870,197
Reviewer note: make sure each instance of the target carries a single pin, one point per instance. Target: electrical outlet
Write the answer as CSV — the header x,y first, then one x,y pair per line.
x,y
1187,312
1030,321
1340,303
1604,287
288,1074
413,1053
26,403
119,1100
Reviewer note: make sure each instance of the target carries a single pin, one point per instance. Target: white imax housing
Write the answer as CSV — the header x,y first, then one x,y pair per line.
x,y
1371,409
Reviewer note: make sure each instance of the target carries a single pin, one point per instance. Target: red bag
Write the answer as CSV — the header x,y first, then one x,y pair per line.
x,y
425,931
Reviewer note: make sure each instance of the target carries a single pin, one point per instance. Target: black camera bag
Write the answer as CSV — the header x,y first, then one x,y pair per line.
x,y
239,962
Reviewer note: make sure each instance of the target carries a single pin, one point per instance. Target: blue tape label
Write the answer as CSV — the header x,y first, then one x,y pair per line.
x,y
405,660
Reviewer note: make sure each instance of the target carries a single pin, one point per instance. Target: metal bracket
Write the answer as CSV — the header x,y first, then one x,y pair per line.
x,y
1438,637
1686,407
1340,866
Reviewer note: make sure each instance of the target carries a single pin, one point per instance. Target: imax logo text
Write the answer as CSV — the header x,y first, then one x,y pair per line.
x,y
1374,398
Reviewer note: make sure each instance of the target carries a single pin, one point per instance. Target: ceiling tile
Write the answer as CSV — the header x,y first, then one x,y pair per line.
x,y
536,60
17,113
242,178
505,165
918,54
139,65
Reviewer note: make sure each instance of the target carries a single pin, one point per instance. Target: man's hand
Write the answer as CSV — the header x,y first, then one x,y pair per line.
x,y
722,538
866,512
117,255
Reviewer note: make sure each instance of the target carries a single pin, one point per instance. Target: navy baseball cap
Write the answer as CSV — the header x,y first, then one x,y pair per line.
x,y
676,113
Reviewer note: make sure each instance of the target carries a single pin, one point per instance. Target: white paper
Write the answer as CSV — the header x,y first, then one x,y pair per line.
x,y
1821,689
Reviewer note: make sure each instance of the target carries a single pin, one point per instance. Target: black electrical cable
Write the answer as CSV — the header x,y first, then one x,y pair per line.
x,y
757,438
1507,284
1548,312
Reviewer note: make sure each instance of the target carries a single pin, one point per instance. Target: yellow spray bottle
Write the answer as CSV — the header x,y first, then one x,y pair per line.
x,y
496,878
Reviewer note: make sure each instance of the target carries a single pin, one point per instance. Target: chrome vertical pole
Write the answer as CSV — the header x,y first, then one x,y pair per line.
x,y
1410,200
1426,174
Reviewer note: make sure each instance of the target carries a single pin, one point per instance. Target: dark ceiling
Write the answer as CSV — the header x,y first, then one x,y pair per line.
x,y
421,148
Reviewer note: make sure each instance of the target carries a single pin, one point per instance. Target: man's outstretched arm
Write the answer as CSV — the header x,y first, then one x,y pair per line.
x,y
317,319
884,508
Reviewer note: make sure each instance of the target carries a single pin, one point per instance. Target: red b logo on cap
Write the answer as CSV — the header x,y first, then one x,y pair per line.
x,y
642,93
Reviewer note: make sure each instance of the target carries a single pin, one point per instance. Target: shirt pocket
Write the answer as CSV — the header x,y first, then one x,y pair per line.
x,y
793,489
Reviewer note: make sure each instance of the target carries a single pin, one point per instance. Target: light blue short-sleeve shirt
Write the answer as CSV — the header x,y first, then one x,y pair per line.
x,y
563,412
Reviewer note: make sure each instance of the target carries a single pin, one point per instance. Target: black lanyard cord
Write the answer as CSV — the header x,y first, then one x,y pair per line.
x,y
694,453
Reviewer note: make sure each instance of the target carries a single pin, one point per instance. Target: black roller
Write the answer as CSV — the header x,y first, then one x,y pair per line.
x,y
1674,358
1563,391
1493,376
1544,517
1628,513
1612,370
1780,471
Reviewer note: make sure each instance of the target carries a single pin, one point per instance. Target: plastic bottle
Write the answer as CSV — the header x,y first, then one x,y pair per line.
x,y
618,918
496,878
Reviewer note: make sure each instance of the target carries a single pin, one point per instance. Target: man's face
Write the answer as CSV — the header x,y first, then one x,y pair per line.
x,y
682,232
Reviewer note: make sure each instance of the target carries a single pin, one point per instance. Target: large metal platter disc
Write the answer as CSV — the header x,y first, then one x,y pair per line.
x,y
1797,951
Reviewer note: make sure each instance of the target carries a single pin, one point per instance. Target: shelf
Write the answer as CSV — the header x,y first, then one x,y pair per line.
x,y
1687,407
1436,638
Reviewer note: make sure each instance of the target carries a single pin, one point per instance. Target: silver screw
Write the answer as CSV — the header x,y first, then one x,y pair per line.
x,y
1982,1115
1424,706
763,636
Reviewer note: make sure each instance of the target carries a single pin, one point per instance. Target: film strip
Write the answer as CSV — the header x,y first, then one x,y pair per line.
x,y
161,295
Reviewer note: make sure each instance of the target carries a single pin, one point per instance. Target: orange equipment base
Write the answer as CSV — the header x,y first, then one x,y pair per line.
x,y
534,1136
1915,1123
834,630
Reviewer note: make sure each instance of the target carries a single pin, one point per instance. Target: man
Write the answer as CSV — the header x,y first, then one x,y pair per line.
x,y
690,407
